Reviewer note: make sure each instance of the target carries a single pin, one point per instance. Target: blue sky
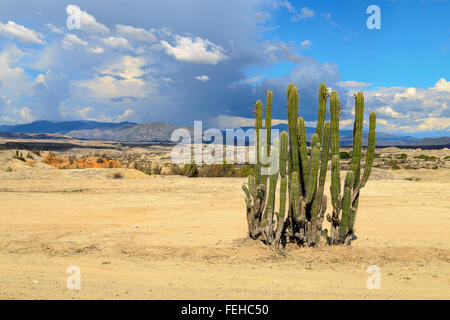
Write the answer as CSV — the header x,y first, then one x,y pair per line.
x,y
180,61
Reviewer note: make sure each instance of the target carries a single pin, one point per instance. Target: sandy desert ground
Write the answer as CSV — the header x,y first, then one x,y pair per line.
x,y
173,237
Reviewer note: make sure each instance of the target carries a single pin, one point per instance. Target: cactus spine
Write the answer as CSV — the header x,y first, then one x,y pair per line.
x,y
305,175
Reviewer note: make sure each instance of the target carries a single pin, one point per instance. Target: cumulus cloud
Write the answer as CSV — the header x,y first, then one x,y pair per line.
x,y
303,13
21,33
354,84
24,114
50,90
125,115
88,23
138,34
54,29
195,50
124,78
96,50
202,78
411,109
117,42
71,40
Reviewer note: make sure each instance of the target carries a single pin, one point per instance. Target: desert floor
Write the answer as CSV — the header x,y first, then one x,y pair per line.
x,y
172,237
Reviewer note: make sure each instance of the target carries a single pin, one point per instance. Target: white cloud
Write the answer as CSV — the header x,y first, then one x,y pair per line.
x,y
223,121
303,13
55,29
122,79
138,34
354,84
25,114
195,50
70,40
125,115
88,23
117,42
306,44
21,33
202,78
96,50
442,85
411,109
262,17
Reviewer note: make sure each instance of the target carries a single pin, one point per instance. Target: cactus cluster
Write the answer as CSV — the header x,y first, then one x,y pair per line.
x,y
302,171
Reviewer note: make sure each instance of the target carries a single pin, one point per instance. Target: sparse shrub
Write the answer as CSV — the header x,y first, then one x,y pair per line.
x,y
19,156
157,169
402,156
395,167
246,170
191,170
435,167
343,155
413,179
175,170
36,152
426,158
29,156
9,169
117,175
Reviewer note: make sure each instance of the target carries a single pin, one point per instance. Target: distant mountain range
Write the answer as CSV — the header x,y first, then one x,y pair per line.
x,y
159,131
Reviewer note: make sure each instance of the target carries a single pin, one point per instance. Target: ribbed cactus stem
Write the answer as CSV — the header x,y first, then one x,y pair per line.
x,y
270,204
303,153
258,127
268,120
317,203
283,181
315,140
335,185
322,109
357,135
334,116
312,179
346,205
292,125
370,150
295,190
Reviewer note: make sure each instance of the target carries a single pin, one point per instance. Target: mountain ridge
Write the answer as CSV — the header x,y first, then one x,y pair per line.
x,y
160,131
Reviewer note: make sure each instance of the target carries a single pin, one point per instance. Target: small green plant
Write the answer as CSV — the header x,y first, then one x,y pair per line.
x,y
117,175
395,167
191,170
157,169
426,158
343,155
19,156
246,170
402,156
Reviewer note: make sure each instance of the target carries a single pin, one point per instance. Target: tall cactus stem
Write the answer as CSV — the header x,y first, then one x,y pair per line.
x,y
346,207
258,127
